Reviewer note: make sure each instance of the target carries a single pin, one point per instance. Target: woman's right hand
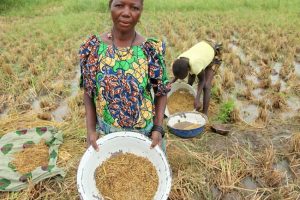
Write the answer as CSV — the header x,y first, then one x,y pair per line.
x,y
91,140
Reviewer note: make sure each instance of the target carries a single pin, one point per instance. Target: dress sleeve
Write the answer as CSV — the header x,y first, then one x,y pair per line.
x,y
88,55
155,51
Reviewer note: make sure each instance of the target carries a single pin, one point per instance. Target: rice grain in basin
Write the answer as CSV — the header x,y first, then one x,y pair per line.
x,y
127,177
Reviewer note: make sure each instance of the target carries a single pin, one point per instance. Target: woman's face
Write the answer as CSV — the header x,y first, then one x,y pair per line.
x,y
126,13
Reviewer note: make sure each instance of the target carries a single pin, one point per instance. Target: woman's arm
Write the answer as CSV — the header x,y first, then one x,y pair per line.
x,y
90,110
160,105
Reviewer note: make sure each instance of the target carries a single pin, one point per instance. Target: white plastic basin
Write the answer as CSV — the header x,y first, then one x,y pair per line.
x,y
126,142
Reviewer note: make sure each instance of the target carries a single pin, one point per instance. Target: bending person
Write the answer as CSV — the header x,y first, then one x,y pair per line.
x,y
201,61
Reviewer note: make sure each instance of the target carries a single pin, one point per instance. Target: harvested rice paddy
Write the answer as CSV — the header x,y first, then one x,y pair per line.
x,y
127,177
31,157
180,101
256,90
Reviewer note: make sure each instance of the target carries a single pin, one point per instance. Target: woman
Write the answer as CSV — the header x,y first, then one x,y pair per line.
x,y
201,60
118,69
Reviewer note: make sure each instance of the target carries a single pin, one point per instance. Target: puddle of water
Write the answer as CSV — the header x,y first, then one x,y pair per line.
x,y
282,85
284,167
216,193
221,69
274,78
258,93
277,67
297,68
4,113
255,66
239,86
252,140
60,112
233,195
249,113
238,51
275,73
75,84
234,39
280,137
249,183
252,78
293,104
36,106
63,109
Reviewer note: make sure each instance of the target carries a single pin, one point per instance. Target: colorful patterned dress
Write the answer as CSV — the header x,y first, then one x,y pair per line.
x,y
119,81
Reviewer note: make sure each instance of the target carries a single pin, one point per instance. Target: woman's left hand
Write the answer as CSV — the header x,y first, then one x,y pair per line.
x,y
156,139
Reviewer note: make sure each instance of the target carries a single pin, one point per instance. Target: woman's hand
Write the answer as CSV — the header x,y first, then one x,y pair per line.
x,y
91,140
156,139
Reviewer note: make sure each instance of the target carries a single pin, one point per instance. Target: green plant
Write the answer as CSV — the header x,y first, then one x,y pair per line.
x,y
225,111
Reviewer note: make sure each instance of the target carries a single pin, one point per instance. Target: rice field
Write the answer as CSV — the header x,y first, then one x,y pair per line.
x,y
256,90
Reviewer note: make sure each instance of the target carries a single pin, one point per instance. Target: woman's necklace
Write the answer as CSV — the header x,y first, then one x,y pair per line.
x,y
116,50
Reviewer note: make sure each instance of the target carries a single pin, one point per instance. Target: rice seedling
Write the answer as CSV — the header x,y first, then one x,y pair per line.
x,y
225,111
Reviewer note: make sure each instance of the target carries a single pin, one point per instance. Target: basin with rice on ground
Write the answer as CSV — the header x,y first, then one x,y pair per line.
x,y
183,121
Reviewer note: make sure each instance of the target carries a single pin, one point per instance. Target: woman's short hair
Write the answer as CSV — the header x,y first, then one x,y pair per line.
x,y
110,2
180,68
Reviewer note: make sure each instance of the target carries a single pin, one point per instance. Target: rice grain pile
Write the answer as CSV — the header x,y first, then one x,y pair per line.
x,y
180,101
127,177
31,157
186,125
